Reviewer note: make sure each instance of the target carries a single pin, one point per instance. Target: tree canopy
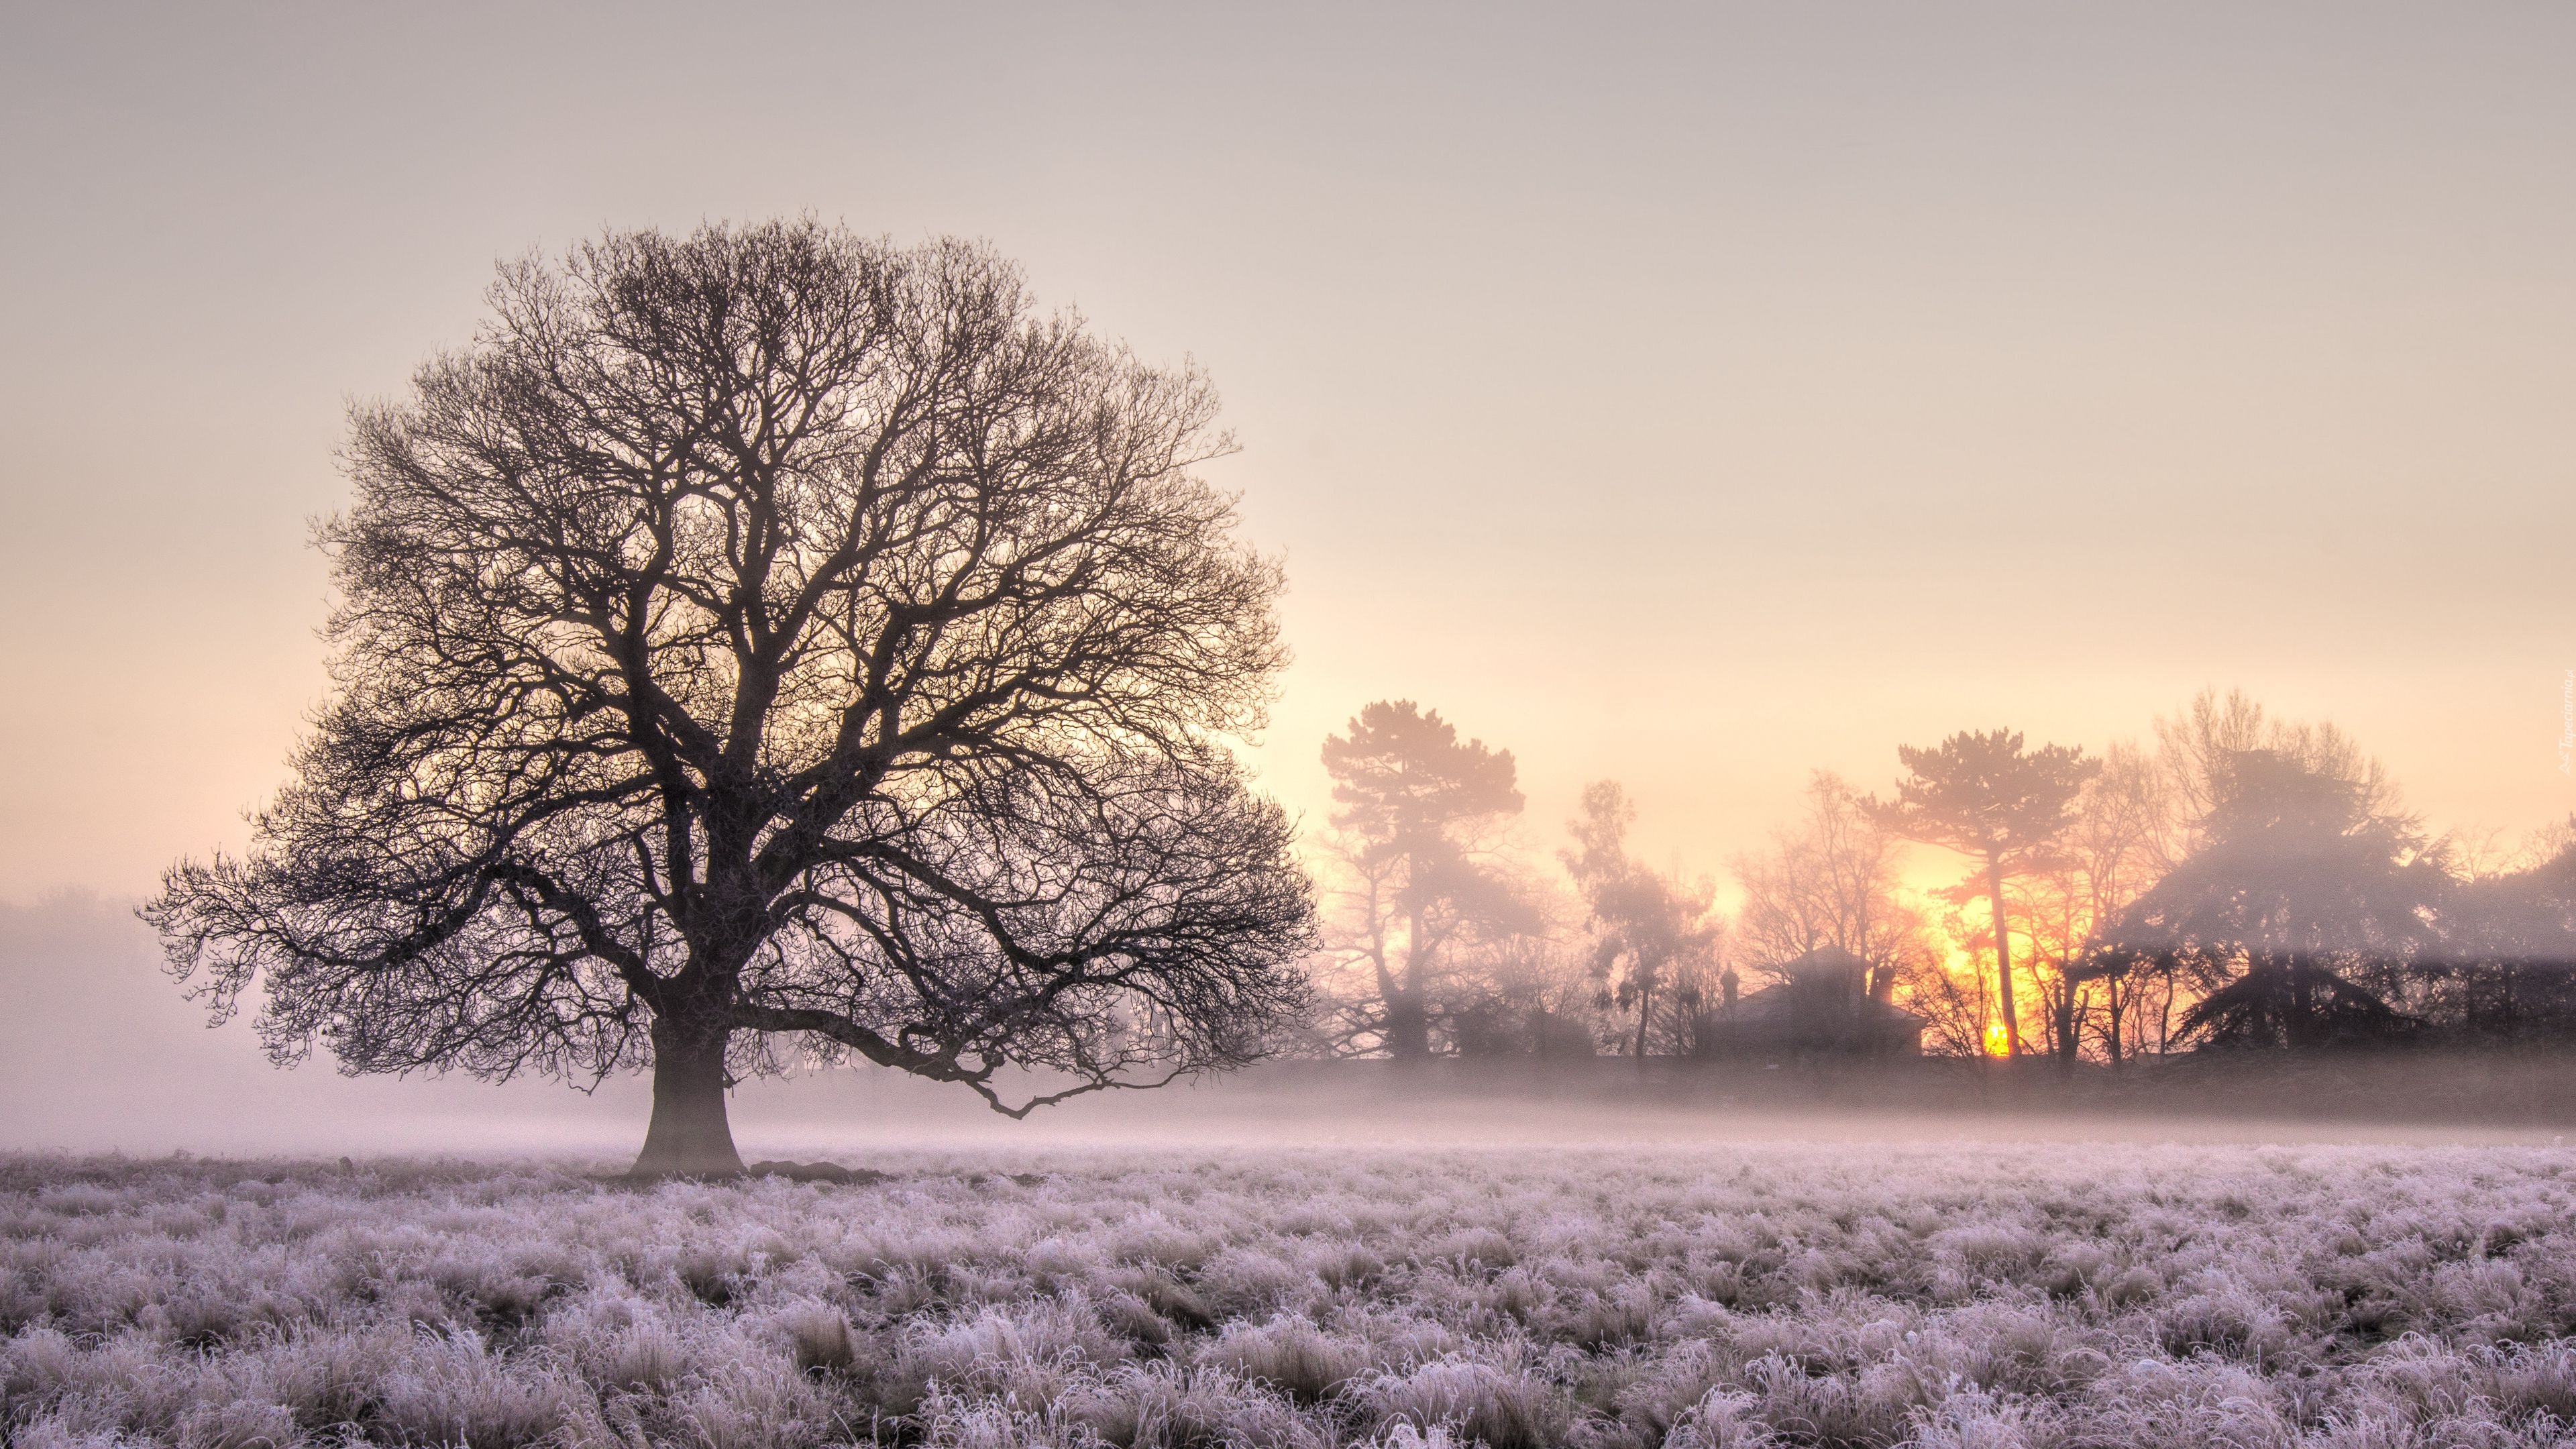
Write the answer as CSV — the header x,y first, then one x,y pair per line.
x,y
1983,794
1413,805
1651,930
2298,892
774,638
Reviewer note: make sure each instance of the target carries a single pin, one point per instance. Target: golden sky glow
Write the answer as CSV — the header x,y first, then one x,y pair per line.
x,y
1689,398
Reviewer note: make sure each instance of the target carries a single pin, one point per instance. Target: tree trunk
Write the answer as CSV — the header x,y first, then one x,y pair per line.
x,y
2116,1007
2003,958
689,1136
1645,1014
1408,1021
2069,1049
1408,1027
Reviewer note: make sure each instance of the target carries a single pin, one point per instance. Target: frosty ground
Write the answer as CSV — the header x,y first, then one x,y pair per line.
x,y
1999,1294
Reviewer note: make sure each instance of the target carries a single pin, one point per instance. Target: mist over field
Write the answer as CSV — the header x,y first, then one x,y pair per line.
x,y
108,1057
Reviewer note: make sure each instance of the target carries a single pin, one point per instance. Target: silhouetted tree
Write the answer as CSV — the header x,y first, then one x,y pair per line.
x,y
2197,750
2298,912
1415,809
1523,986
773,638
2507,957
1985,796
1829,881
1650,930
2110,851
1955,1015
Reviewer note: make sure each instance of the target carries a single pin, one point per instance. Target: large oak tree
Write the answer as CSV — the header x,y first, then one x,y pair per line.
x,y
774,640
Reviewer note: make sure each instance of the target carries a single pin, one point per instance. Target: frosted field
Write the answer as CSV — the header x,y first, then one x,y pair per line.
x,y
2030,1294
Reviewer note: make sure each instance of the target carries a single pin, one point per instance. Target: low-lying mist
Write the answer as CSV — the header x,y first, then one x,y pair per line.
x,y
101,1052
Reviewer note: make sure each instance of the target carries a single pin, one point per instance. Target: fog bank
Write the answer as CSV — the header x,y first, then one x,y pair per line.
x,y
100,1051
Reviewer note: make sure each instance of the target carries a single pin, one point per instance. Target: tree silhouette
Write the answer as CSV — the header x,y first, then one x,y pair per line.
x,y
1830,881
2508,950
1412,807
2299,891
2112,849
2510,942
2198,750
773,638
1983,795
1650,929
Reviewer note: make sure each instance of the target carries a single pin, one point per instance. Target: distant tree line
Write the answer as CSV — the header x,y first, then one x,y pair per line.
x,y
2237,881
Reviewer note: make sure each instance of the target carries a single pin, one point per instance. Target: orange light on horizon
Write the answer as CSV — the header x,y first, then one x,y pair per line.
x,y
1998,1040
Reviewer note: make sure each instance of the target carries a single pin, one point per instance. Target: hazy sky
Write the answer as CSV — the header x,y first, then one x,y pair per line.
x,y
1696,396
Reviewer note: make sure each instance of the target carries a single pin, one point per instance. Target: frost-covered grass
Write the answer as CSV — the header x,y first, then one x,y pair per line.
x,y
2034,1294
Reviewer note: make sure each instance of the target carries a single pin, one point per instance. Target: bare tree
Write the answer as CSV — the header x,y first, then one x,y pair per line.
x,y
1958,1018
765,639
1416,822
2121,823
1828,881
2199,749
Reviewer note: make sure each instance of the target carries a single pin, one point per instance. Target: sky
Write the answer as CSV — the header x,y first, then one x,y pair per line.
x,y
1692,396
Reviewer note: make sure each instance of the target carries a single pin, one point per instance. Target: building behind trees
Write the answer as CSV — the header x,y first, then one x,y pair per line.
x,y
1820,1007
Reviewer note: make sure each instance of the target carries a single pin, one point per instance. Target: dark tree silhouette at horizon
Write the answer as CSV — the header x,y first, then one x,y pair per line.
x,y
772,641
2509,948
2299,891
1982,794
